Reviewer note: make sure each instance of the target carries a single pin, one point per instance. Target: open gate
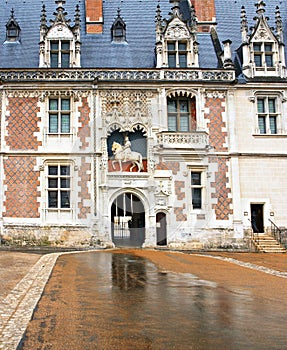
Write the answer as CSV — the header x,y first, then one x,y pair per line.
x,y
128,221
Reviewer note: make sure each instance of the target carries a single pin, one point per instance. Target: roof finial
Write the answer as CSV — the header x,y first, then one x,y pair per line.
x,y
244,24
279,26
260,8
77,16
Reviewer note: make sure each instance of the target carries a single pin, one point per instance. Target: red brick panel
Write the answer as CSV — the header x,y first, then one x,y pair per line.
x,y
84,131
217,137
204,9
21,193
179,212
22,123
174,166
84,194
179,185
223,206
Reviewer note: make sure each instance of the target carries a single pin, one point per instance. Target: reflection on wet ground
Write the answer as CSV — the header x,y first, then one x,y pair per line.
x,y
120,301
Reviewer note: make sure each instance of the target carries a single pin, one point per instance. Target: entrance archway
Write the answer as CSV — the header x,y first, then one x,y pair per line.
x,y
128,221
161,238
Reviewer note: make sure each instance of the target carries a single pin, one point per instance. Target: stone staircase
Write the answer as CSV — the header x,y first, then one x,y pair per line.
x,y
265,243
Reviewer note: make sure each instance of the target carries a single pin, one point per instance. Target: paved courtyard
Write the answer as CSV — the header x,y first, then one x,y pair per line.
x,y
25,275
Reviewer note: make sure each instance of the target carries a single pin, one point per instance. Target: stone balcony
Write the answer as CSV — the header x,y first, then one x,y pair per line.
x,y
183,140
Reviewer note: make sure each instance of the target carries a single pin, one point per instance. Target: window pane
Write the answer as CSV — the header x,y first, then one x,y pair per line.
x,y
65,45
171,106
195,178
54,45
52,183
53,105
65,199
65,61
268,47
271,105
52,199
257,47
182,46
65,170
65,183
65,105
65,123
172,123
182,60
171,60
260,105
273,125
196,198
184,123
119,32
53,123
183,106
258,60
54,60
53,170
171,46
262,125
269,60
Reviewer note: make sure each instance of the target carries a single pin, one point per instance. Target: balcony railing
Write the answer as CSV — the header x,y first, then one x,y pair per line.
x,y
197,139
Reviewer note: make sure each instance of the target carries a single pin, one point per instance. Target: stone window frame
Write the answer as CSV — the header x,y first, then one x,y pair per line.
x,y
279,113
203,186
47,188
262,53
188,96
177,52
60,52
59,114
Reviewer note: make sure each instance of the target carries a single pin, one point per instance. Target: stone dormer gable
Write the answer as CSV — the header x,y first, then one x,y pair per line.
x,y
118,30
262,48
176,45
12,29
60,42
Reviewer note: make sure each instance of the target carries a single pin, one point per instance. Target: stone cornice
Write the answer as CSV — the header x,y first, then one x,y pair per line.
x,y
97,75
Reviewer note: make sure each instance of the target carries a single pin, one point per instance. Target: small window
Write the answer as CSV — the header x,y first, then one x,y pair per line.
x,y
118,29
59,186
177,54
59,116
263,54
60,54
181,114
12,29
267,115
196,189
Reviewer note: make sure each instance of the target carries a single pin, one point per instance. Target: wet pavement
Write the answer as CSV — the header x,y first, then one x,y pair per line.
x,y
154,300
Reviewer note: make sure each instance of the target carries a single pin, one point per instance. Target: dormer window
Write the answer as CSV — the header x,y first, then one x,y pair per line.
x,y
118,29
176,44
60,45
263,54
12,29
60,54
177,54
262,49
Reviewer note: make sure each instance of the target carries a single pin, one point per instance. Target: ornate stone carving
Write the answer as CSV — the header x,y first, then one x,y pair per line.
x,y
194,140
177,31
126,109
93,75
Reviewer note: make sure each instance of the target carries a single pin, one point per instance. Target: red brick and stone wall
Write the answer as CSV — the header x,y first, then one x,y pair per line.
x,y
20,183
84,131
217,140
22,123
84,194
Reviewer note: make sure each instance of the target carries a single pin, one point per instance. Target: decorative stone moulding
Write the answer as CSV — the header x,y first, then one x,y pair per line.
x,y
94,75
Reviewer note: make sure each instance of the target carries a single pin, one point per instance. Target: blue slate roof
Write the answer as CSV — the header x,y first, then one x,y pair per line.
x,y
98,51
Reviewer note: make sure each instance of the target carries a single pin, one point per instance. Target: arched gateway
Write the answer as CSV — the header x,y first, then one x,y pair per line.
x,y
128,221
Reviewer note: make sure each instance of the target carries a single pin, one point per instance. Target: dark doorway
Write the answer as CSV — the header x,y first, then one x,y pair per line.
x,y
161,229
128,221
257,218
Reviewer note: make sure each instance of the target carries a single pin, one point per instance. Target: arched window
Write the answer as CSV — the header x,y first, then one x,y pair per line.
x,y
12,29
118,30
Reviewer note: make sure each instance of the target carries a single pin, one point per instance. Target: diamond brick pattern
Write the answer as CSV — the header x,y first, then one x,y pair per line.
x,y
179,212
174,166
21,194
217,137
84,131
84,194
23,123
179,185
223,206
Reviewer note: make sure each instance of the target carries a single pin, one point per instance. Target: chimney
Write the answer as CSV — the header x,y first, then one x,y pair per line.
x,y
94,16
205,14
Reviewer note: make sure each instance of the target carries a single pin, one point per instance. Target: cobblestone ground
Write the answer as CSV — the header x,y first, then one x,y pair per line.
x,y
24,276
